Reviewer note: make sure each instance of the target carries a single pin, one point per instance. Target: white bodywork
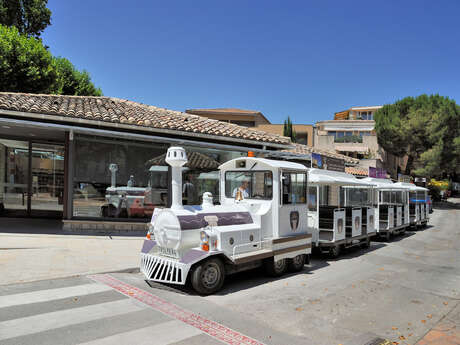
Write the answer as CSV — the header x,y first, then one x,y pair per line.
x,y
238,229
337,232
394,220
421,215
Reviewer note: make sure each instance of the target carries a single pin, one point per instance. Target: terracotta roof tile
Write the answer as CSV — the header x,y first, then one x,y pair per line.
x,y
356,171
115,110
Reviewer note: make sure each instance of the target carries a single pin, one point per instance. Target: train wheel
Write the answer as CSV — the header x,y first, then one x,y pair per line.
x,y
275,268
208,276
297,263
334,251
387,236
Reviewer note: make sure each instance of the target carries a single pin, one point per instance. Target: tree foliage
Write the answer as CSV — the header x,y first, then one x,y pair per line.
x,y
426,129
30,17
70,81
288,131
25,64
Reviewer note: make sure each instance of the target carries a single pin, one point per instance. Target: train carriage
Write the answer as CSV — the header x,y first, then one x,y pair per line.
x,y
391,207
340,212
261,221
418,204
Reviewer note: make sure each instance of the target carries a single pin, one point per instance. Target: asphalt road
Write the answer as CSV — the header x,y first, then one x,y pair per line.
x,y
396,291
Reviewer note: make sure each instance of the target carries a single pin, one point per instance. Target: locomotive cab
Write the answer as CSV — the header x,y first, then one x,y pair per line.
x,y
261,220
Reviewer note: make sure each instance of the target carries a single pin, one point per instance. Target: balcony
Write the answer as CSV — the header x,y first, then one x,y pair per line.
x,y
349,139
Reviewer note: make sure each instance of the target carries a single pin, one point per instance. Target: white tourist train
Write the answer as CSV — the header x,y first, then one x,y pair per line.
x,y
271,212
261,220
340,210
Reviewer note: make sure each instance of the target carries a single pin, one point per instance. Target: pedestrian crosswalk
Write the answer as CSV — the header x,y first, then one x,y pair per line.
x,y
89,312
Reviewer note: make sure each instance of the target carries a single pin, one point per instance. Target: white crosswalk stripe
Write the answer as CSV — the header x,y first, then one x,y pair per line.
x,y
51,294
52,316
163,334
47,321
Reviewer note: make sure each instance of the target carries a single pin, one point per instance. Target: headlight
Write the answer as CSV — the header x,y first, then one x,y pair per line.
x,y
204,238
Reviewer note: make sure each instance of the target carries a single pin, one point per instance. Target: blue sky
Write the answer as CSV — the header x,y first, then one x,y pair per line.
x,y
306,59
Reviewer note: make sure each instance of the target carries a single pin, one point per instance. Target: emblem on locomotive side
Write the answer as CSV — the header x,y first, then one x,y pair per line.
x,y
294,219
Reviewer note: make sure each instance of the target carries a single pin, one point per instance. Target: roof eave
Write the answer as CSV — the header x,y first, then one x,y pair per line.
x,y
80,121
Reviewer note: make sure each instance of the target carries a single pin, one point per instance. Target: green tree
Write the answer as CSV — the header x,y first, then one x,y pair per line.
x,y
25,64
30,17
70,81
426,129
288,131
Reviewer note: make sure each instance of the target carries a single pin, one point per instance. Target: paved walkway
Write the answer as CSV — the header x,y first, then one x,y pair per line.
x,y
446,332
37,249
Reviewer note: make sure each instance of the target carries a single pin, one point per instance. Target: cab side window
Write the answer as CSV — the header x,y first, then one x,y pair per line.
x,y
294,188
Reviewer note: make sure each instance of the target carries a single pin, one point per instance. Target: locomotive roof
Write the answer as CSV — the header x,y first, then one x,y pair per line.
x,y
322,176
271,163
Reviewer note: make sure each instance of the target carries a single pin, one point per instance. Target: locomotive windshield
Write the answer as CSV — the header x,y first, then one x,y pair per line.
x,y
252,184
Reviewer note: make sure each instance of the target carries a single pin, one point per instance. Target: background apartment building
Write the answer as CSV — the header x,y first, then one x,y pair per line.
x,y
352,133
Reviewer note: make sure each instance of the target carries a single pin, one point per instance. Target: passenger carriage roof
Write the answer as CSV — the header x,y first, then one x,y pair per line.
x,y
382,184
263,163
321,176
412,187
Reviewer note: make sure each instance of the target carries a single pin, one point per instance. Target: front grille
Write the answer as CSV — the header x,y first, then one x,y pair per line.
x,y
163,270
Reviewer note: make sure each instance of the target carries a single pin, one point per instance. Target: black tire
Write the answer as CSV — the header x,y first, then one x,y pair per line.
x,y
334,251
208,276
275,268
366,243
296,264
386,236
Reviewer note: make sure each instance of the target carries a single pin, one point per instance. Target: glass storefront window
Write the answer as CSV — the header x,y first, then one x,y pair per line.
x,y
115,179
14,169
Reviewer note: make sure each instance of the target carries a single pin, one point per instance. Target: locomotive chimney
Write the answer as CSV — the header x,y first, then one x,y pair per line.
x,y
176,158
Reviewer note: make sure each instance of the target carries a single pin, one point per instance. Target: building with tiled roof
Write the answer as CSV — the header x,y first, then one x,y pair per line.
x,y
114,112
87,159
242,117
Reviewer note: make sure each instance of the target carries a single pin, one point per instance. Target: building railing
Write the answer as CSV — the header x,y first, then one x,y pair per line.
x,y
349,139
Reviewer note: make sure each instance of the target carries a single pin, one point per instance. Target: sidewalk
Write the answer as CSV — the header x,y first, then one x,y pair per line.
x,y
446,332
36,249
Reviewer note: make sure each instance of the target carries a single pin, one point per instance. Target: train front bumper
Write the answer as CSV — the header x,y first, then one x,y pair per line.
x,y
162,269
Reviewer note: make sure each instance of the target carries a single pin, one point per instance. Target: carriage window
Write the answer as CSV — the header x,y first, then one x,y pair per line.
x,y
358,197
312,199
294,188
253,185
323,195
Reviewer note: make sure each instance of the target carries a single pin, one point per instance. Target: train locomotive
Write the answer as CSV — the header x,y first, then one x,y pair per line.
x,y
261,221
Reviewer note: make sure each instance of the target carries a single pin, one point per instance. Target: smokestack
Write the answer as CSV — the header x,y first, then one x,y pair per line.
x,y
176,158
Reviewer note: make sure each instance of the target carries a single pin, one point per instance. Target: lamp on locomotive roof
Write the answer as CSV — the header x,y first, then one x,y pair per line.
x,y
176,158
